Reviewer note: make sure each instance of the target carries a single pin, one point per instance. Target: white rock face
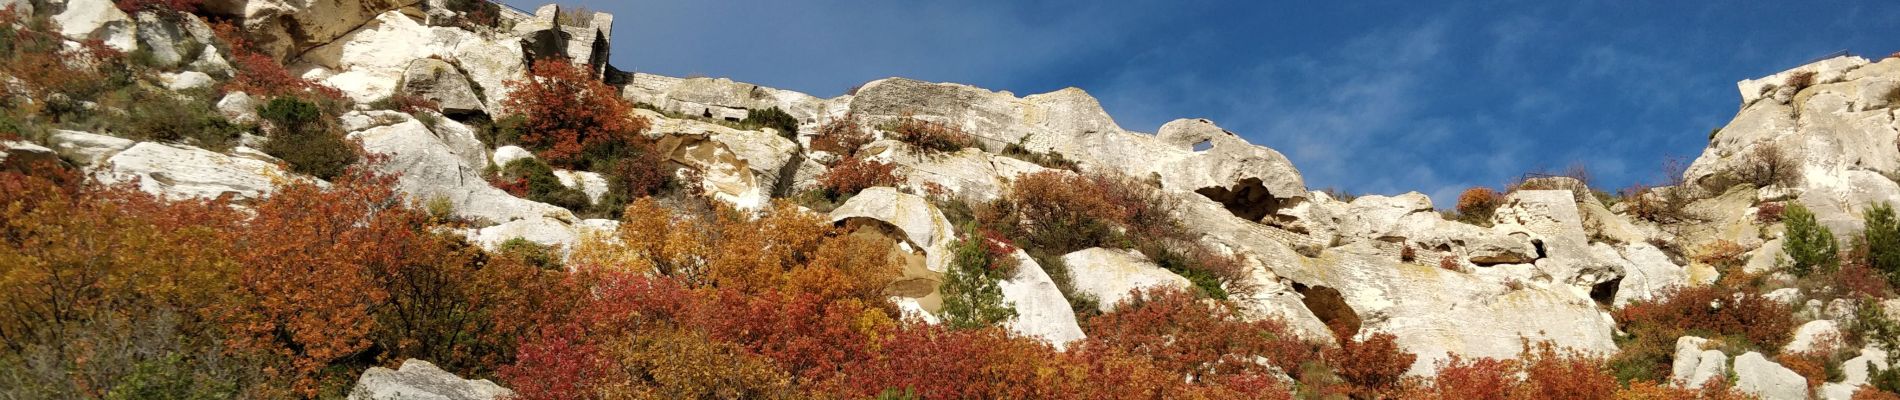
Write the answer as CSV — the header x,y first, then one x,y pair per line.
x,y
87,149
369,63
1550,217
431,169
1825,71
508,154
1647,271
1854,373
924,227
170,39
186,80
741,167
720,97
281,28
540,230
1842,146
1756,375
593,184
1692,366
1817,335
1041,311
180,172
440,82
969,174
239,107
98,19
418,380
1071,122
1112,275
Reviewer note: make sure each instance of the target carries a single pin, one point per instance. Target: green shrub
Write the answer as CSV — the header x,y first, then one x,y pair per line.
x,y
306,139
543,186
1809,246
971,297
1883,240
536,254
1082,303
774,118
167,117
1050,160
1205,279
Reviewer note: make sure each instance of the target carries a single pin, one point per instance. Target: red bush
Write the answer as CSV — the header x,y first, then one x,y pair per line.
x,y
1477,203
259,74
1769,213
1179,333
932,137
568,113
853,175
1375,365
841,136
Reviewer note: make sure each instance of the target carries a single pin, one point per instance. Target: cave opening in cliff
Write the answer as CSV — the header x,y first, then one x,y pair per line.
x,y
1248,199
1330,307
1605,292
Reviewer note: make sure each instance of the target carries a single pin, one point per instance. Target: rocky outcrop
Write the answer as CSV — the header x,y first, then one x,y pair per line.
x,y
1838,134
721,98
1111,276
176,40
741,167
98,20
182,172
1817,335
442,83
284,28
420,380
922,225
369,63
84,148
1757,376
1252,181
1694,366
1041,311
1854,374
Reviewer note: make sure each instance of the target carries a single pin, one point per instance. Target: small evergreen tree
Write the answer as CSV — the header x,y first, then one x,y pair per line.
x,y
971,297
1883,240
1809,245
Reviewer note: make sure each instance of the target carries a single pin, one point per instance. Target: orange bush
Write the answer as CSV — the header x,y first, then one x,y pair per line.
x,y
569,113
1374,365
1179,333
260,75
852,175
842,136
932,137
1478,203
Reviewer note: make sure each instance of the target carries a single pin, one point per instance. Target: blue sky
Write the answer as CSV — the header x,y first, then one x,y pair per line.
x,y
1371,97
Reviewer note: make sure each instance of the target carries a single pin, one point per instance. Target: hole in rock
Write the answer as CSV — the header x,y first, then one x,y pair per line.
x,y
1247,199
1539,244
1327,304
1605,293
1204,145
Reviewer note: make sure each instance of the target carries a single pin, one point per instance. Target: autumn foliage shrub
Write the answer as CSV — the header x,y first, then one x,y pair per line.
x,y
842,136
1767,165
852,175
1375,365
569,113
1744,318
931,137
1203,342
1477,204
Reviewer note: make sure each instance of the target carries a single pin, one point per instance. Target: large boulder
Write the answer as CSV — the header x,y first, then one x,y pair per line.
x,y
1757,376
921,224
420,380
1817,335
1113,275
721,98
86,149
1041,311
1647,271
285,28
179,40
429,168
442,83
1552,222
98,19
182,172
1694,366
369,63
741,167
